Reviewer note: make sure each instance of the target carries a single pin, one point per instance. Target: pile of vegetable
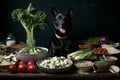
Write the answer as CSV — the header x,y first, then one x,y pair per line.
x,y
81,54
100,50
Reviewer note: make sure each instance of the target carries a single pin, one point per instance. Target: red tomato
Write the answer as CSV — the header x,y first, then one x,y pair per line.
x,y
31,62
22,62
21,68
12,68
32,68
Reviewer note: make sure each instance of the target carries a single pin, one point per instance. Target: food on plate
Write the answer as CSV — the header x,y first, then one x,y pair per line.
x,y
100,50
55,62
80,54
8,59
111,49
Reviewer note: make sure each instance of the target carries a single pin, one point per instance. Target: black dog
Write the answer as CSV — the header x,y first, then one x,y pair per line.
x,y
62,39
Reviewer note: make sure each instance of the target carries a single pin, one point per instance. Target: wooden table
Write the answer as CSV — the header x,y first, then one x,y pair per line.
x,y
70,75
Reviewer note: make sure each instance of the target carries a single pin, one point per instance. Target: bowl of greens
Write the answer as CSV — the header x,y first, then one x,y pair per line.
x,y
29,53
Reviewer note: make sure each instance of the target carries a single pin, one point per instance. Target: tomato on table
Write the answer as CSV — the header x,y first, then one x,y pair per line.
x,y
12,68
30,62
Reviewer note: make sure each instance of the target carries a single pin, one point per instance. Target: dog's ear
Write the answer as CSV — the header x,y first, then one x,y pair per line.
x,y
54,11
70,11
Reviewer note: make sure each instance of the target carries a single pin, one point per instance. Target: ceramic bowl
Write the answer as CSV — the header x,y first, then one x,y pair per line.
x,y
84,65
26,57
111,60
54,70
101,65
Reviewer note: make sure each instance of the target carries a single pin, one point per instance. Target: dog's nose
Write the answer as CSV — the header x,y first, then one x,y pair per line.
x,y
60,17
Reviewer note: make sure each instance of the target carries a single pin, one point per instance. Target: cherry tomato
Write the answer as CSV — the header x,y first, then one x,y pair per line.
x,y
32,68
12,68
100,50
95,50
21,68
30,63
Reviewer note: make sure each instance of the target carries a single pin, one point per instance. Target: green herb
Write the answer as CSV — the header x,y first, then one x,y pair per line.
x,y
100,63
30,21
31,50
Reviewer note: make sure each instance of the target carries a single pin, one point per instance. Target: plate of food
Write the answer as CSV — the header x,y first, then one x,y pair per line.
x,y
54,64
7,60
106,50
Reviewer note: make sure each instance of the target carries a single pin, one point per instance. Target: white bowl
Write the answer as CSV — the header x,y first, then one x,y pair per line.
x,y
84,65
111,60
35,57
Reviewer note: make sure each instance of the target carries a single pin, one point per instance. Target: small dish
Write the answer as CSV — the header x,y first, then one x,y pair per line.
x,y
101,65
111,60
84,65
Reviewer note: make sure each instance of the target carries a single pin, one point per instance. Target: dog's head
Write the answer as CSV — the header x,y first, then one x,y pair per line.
x,y
62,22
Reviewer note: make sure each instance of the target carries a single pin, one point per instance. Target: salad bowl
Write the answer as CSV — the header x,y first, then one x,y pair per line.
x,y
35,54
54,64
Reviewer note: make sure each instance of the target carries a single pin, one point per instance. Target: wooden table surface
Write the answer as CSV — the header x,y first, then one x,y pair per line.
x,y
70,75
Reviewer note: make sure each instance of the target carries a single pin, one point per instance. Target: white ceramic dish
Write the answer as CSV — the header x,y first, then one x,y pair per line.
x,y
54,70
35,57
84,65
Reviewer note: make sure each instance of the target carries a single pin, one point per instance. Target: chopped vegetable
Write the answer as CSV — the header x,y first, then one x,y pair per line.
x,y
31,50
55,62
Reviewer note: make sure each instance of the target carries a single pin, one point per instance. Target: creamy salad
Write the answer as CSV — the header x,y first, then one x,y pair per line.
x,y
55,62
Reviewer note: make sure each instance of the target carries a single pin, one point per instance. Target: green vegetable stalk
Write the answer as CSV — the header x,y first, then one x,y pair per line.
x,y
30,21
84,55
81,54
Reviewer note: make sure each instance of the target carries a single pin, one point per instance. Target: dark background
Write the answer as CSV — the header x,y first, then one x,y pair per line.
x,y
90,18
